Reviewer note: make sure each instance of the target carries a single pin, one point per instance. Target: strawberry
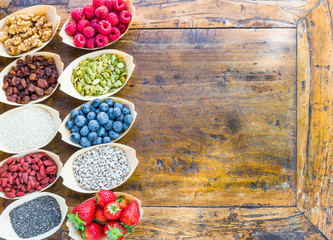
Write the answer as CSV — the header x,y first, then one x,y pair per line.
x,y
99,216
104,196
94,231
114,231
82,214
112,211
123,203
130,217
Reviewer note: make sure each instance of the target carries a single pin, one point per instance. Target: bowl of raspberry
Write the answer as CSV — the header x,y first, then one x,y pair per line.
x,y
98,25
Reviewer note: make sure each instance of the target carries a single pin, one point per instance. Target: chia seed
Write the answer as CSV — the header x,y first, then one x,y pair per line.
x,y
35,217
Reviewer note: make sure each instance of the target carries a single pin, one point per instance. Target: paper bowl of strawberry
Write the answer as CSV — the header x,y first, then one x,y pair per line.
x,y
107,216
98,25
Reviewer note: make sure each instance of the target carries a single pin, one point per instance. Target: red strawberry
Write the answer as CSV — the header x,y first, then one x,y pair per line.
x,y
94,231
99,216
82,214
104,196
130,217
112,211
123,203
114,231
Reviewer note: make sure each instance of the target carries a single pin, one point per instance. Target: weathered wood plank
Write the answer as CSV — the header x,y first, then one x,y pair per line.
x,y
315,132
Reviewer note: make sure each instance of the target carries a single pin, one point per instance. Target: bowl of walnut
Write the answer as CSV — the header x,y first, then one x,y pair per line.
x,y
28,30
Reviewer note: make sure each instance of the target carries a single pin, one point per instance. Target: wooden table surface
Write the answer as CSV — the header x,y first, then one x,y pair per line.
x,y
216,87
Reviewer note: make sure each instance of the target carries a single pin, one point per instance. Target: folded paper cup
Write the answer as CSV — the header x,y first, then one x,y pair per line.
x,y
59,65
51,14
6,229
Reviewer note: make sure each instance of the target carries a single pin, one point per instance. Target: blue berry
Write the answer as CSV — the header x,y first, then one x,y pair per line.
x,y
75,137
102,118
108,125
92,108
80,121
125,110
85,142
97,141
128,118
74,113
103,107
91,116
101,132
93,125
86,108
113,134
116,112
106,139
75,129
96,102
92,136
84,131
69,124
110,113
120,118
117,126
119,105
97,111
109,102
125,126
81,113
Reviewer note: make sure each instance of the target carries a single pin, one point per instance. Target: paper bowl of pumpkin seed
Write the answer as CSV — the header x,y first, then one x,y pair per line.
x,y
98,74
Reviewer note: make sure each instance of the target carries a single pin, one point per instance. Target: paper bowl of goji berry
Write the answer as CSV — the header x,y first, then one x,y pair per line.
x,y
18,88
98,25
77,233
28,172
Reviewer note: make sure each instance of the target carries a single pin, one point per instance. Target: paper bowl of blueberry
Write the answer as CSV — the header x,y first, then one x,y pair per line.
x,y
97,122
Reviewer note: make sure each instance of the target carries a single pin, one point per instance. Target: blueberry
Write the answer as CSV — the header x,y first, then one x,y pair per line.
x,y
101,132
120,118
109,102
128,118
117,126
97,141
106,139
102,118
84,131
75,129
74,113
92,108
108,125
92,136
110,113
125,110
91,116
81,113
113,134
75,137
97,111
96,102
93,125
86,108
69,124
119,105
116,112
80,121
103,107
125,126
85,142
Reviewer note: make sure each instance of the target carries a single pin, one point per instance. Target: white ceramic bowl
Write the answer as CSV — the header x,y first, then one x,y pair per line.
x,y
54,115
67,86
66,133
69,40
59,65
77,235
52,155
51,15
67,172
6,229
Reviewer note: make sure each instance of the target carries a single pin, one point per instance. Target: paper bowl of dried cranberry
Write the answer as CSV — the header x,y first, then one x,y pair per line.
x,y
95,11
51,15
77,234
18,88
28,172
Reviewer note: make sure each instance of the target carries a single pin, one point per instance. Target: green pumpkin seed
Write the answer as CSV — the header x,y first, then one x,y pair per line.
x,y
120,65
96,81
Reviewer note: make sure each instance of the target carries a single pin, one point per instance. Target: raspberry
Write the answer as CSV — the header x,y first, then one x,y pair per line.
x,y
88,32
104,27
122,27
90,42
108,4
119,5
113,19
114,34
101,40
94,24
101,12
98,3
89,12
125,16
77,14
71,28
79,40
82,24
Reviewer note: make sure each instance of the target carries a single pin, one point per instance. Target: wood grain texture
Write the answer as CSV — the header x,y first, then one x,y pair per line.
x,y
199,13
315,118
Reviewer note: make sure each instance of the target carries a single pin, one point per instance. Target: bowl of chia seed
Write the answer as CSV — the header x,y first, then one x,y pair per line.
x,y
36,216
